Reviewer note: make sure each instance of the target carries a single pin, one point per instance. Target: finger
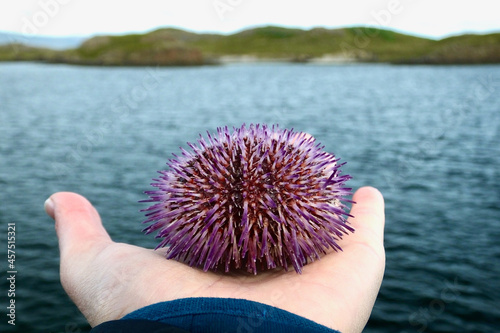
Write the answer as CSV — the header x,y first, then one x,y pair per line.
x,y
78,225
369,216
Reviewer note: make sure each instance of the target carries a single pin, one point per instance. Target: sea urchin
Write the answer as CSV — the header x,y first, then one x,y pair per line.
x,y
257,198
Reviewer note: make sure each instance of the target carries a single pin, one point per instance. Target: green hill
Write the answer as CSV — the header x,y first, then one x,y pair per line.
x,y
20,52
173,47
464,49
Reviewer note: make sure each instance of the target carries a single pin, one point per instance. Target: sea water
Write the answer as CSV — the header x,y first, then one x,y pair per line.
x,y
427,136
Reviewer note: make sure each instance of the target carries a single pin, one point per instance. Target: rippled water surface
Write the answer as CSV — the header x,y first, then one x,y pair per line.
x,y
427,137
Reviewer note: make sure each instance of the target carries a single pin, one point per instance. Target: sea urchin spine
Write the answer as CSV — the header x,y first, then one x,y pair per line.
x,y
257,198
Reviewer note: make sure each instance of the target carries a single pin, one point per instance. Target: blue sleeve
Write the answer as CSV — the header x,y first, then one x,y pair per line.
x,y
207,315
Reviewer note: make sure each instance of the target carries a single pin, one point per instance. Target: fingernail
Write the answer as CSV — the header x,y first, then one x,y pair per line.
x,y
49,207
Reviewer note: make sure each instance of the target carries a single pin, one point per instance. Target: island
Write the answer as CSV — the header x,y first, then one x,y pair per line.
x,y
175,47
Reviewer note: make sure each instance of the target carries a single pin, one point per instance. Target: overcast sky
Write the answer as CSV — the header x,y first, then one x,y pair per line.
x,y
429,18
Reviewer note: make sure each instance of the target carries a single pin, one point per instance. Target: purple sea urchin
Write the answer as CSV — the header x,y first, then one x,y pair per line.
x,y
256,198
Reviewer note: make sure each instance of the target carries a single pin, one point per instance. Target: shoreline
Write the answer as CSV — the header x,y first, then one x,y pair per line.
x,y
327,59
247,61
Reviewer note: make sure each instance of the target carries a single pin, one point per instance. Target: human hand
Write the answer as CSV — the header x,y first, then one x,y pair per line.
x,y
107,280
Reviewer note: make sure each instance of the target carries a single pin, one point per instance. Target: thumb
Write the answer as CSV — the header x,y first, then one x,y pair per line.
x,y
78,225
368,217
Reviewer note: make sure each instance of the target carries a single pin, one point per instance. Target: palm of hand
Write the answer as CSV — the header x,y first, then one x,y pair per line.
x,y
108,280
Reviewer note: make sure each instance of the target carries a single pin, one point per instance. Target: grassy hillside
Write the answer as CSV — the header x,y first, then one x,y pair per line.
x,y
166,47
20,52
134,50
275,42
465,49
